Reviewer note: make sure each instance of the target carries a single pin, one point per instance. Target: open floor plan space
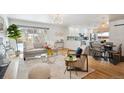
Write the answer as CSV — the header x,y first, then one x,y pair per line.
x,y
61,46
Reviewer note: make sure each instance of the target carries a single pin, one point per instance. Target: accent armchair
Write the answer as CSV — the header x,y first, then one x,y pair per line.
x,y
82,62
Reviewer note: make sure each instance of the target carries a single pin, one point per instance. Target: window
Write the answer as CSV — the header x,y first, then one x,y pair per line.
x,y
104,34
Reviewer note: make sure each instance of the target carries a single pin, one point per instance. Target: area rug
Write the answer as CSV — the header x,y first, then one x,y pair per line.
x,y
57,68
2,71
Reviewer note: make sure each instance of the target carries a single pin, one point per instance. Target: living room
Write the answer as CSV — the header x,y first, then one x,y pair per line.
x,y
65,46
47,45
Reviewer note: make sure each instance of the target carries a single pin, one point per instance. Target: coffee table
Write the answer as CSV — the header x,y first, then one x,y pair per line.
x,y
69,63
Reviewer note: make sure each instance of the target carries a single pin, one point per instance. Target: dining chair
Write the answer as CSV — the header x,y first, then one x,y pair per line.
x,y
117,52
97,51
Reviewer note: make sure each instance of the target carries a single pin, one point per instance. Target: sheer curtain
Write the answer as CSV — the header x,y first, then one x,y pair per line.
x,y
33,37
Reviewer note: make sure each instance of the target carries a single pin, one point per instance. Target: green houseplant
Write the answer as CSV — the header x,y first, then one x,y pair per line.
x,y
14,33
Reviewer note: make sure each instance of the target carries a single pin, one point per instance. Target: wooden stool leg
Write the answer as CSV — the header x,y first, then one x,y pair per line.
x,y
87,63
119,58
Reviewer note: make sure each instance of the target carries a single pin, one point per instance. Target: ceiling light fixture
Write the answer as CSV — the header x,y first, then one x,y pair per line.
x,y
104,25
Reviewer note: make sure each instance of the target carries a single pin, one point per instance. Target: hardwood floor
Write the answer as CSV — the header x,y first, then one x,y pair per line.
x,y
105,70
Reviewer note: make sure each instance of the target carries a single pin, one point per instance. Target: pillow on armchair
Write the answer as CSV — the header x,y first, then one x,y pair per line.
x,y
78,52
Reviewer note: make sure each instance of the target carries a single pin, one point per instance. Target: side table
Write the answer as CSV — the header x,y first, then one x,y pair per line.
x,y
69,63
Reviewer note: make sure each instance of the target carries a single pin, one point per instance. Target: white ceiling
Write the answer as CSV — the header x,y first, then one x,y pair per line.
x,y
68,19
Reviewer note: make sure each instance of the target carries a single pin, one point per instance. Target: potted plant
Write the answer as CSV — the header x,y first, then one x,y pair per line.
x,y
70,57
14,33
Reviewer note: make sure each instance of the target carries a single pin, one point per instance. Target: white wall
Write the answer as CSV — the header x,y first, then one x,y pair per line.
x,y
74,31
51,32
117,33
